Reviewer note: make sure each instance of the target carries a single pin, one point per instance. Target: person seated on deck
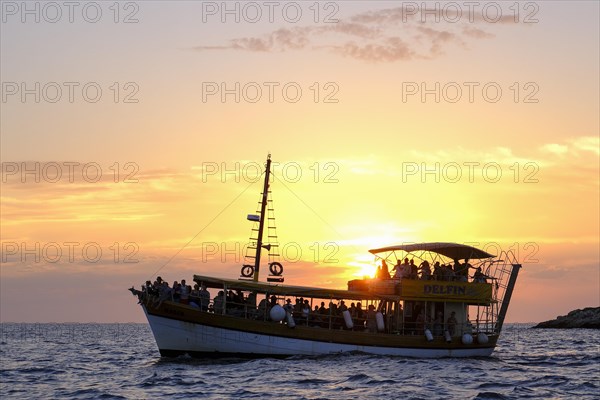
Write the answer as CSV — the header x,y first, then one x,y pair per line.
x,y
451,323
333,308
288,306
164,292
298,306
371,319
478,276
342,307
425,270
270,304
176,292
195,296
239,299
263,306
461,271
457,270
273,301
156,288
323,310
236,303
148,291
158,281
184,295
352,310
228,298
251,302
336,315
316,318
442,273
195,292
397,270
360,314
449,273
145,292
218,302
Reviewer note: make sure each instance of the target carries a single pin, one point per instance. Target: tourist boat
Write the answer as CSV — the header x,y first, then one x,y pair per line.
x,y
429,315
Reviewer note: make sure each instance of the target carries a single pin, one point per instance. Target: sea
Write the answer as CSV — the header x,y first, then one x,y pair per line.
x,y
121,361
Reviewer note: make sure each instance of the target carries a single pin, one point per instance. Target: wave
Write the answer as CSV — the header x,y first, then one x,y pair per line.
x,y
121,361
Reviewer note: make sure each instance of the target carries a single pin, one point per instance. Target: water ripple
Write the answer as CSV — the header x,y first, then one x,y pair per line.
x,y
120,361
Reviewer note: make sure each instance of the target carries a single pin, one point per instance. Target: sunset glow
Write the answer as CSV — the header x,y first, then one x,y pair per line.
x,y
477,132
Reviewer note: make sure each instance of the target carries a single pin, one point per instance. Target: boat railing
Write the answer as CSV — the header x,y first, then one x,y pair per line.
x,y
499,270
396,321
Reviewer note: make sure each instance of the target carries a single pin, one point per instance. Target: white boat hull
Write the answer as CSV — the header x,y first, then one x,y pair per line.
x,y
179,337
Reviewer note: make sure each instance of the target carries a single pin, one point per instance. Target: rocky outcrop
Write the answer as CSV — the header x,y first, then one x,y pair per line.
x,y
586,318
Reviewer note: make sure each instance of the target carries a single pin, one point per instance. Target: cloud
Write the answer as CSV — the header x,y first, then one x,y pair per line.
x,y
393,49
29,198
587,143
382,36
438,39
476,33
576,147
554,148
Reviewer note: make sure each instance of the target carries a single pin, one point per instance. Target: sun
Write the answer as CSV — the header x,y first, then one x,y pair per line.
x,y
363,268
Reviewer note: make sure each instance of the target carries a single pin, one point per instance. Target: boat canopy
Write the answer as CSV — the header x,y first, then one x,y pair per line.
x,y
454,251
289,290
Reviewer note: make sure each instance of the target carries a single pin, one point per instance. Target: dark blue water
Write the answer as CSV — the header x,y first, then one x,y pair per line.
x,y
105,361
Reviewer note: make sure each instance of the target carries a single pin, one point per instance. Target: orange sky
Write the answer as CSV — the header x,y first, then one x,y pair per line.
x,y
363,162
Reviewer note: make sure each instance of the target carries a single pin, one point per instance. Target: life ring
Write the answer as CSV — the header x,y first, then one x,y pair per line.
x,y
276,268
247,270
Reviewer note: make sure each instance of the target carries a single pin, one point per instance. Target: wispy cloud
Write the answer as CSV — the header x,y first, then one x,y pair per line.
x,y
388,35
576,147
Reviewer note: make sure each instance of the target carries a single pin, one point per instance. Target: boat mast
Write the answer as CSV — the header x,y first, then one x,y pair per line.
x,y
261,223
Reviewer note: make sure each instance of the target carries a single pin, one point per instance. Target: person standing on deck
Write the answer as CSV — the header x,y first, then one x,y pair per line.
x,y
465,270
414,270
397,270
425,270
385,272
204,297
437,271
306,311
406,269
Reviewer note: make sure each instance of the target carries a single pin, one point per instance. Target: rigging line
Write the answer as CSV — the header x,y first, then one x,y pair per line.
x,y
202,230
314,212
